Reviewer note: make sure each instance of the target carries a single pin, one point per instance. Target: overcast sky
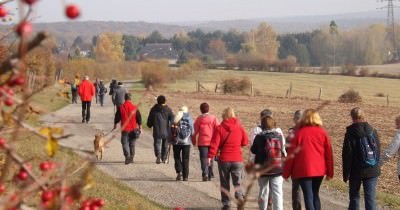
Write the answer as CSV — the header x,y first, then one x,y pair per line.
x,y
199,10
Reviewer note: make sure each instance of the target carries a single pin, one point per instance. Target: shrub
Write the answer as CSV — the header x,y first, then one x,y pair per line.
x,y
324,69
235,85
380,95
349,70
350,96
364,71
154,74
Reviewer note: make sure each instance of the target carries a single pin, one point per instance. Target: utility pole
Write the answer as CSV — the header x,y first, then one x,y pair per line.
x,y
390,33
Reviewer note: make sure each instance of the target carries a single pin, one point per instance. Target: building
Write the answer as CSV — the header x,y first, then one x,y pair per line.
x,y
159,51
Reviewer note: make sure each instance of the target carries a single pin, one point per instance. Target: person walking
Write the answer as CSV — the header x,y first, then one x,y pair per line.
x,y
204,128
119,94
228,140
160,119
113,86
311,150
86,92
131,127
296,191
182,134
96,87
394,147
269,149
74,89
360,160
102,92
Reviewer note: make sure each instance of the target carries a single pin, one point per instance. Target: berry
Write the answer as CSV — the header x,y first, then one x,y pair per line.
x,y
17,81
44,166
85,208
94,207
9,102
3,11
72,11
47,196
10,92
99,202
2,188
30,2
24,28
86,203
2,142
22,175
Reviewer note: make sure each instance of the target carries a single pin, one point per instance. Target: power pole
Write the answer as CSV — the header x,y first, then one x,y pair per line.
x,y
390,23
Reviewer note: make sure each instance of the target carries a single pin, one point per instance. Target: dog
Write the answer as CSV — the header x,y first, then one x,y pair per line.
x,y
99,145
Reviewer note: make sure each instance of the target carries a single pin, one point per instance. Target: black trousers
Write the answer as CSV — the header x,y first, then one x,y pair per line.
x,y
181,157
206,170
86,110
74,94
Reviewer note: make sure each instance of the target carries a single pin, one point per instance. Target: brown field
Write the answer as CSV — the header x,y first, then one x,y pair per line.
x,y
335,115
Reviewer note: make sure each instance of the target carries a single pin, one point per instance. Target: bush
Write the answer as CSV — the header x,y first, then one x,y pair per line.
x,y
364,71
380,95
235,85
349,70
154,74
350,96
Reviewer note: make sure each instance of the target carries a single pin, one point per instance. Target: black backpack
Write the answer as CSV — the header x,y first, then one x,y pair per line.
x,y
274,152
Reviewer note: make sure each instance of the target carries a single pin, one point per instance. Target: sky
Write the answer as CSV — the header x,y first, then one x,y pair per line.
x,y
167,11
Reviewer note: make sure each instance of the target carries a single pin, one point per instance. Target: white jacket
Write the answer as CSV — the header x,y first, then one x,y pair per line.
x,y
390,152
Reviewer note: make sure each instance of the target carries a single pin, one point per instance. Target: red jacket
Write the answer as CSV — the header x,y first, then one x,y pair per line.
x,y
229,146
86,90
314,157
205,125
128,111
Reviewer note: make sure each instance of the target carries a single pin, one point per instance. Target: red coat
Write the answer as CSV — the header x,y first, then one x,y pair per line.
x,y
86,90
128,112
205,126
229,146
314,157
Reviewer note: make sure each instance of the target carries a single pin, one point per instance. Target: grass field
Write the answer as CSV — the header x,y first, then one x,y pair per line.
x,y
303,85
115,194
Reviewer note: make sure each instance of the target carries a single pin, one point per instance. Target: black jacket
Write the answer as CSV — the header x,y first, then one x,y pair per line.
x,y
160,119
351,152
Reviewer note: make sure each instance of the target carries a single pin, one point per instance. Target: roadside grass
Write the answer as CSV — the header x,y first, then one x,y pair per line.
x,y
303,85
116,194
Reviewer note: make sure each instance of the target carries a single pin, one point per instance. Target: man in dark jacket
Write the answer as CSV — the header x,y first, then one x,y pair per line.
x,y
160,119
354,169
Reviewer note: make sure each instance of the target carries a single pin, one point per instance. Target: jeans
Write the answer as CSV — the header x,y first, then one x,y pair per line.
x,y
275,183
226,171
310,187
128,141
206,170
181,157
74,94
101,99
296,195
160,148
86,110
369,185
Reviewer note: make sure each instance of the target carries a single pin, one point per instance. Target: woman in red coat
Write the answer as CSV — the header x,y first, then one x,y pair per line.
x,y
312,158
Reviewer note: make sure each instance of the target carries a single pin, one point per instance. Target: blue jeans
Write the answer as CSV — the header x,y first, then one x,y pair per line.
x,y
161,148
206,170
310,187
369,185
128,144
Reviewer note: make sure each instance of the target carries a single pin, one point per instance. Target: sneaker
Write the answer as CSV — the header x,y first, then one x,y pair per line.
x,y
209,178
131,160
83,120
127,161
185,179
158,161
179,177
226,207
205,178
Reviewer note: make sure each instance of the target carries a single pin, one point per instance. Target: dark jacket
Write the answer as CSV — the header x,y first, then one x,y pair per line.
x,y
118,96
258,148
113,86
351,152
160,119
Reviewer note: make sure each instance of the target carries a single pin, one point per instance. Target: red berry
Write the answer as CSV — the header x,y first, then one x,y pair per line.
x,y
47,195
30,2
44,166
178,208
2,142
52,165
85,208
72,11
22,175
86,203
9,102
19,80
99,202
3,11
24,28
10,92
94,207
2,188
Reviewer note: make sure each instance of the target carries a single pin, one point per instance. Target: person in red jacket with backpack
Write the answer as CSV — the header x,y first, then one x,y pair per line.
x,y
204,127
86,91
131,127
311,150
228,139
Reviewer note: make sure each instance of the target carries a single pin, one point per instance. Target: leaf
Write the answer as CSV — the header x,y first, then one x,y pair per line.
x,y
52,143
88,181
7,118
51,146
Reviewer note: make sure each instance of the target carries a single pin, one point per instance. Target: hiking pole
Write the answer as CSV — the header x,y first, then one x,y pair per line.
x,y
168,152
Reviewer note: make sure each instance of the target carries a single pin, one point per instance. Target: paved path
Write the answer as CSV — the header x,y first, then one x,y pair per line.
x,y
156,182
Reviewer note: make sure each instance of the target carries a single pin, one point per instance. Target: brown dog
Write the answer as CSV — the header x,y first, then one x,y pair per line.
x,y
98,145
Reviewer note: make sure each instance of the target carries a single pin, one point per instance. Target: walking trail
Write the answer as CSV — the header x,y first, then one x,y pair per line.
x,y
154,181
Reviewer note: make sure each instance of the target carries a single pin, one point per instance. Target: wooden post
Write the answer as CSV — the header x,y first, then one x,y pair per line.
x,y
287,93
387,100
251,89
320,94
197,86
290,90
216,88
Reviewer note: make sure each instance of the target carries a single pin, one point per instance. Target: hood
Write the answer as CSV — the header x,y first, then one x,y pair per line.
x,y
206,118
359,129
230,124
160,107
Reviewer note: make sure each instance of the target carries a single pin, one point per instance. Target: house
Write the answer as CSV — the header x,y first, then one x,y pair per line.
x,y
159,51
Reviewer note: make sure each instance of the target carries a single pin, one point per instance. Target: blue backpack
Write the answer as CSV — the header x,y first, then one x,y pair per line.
x,y
369,151
183,130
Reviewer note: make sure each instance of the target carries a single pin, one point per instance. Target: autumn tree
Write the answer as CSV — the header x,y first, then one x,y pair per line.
x,y
217,48
263,41
109,48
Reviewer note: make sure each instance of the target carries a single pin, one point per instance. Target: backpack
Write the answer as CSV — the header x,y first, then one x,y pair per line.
x,y
369,151
274,152
183,130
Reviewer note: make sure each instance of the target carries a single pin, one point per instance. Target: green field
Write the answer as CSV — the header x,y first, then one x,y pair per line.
x,y
303,85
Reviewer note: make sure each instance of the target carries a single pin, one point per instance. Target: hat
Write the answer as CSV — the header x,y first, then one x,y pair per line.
x,y
265,113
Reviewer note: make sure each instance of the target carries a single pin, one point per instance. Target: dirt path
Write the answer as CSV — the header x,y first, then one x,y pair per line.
x,y
156,182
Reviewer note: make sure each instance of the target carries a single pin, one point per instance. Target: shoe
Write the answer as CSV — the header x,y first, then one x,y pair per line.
x,y
127,161
226,207
205,178
179,177
83,121
185,179
158,161
209,178
131,160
